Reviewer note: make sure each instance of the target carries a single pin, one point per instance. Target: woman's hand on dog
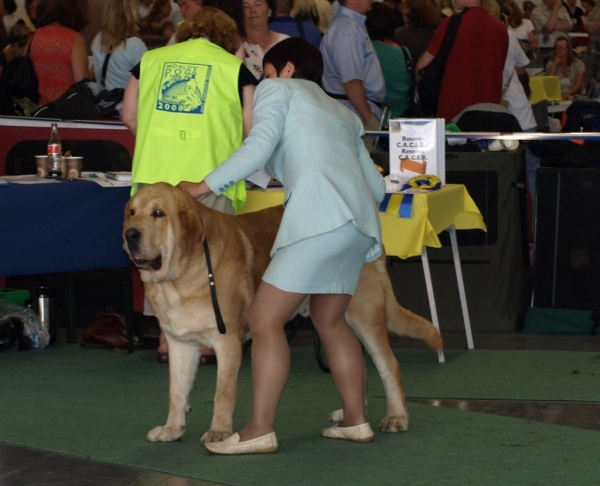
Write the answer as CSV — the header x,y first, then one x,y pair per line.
x,y
194,189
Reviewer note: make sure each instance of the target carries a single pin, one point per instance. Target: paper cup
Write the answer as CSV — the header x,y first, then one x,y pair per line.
x,y
74,167
41,163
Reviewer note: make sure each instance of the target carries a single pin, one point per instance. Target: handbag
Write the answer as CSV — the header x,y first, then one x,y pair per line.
x,y
413,110
17,82
109,329
430,83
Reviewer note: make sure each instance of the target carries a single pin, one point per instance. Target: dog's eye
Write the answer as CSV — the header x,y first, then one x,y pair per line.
x,y
157,214
131,212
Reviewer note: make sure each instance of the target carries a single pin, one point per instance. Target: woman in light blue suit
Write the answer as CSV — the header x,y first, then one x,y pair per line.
x,y
312,144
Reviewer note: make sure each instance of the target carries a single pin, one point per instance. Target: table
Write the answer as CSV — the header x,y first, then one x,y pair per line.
x,y
62,227
449,208
17,129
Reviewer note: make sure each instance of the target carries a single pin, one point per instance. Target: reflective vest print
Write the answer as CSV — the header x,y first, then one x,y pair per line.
x,y
183,87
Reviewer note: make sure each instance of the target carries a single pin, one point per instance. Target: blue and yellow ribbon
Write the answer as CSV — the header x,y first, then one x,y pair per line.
x,y
400,204
423,182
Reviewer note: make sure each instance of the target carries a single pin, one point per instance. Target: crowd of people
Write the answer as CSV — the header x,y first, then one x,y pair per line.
x,y
371,53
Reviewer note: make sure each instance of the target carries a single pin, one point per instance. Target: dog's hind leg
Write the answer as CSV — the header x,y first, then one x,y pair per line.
x,y
183,364
229,359
376,341
368,315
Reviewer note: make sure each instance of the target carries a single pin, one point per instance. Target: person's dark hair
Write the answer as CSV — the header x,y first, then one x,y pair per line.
x,y
68,13
306,58
10,6
233,8
380,22
422,13
19,35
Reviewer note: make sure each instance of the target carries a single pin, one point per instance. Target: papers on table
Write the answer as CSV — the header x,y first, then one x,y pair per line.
x,y
25,179
101,179
121,176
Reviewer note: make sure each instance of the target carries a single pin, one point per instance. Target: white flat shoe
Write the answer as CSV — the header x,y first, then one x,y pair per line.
x,y
265,444
356,433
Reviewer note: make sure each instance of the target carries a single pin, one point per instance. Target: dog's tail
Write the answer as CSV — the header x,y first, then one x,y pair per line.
x,y
404,322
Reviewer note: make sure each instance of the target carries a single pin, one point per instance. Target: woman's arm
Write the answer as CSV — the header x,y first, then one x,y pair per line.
x,y
422,63
194,189
576,89
130,104
248,106
533,43
79,59
552,67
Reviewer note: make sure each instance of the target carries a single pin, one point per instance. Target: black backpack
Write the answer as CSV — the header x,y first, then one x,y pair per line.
x,y
583,116
431,76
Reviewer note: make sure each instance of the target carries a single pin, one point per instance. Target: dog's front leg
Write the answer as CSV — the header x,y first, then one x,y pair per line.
x,y
183,364
229,358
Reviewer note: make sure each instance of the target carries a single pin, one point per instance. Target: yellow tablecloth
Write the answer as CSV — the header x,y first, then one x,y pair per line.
x,y
432,213
544,88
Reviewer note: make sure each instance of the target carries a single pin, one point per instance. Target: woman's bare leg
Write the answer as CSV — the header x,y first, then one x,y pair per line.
x,y
344,353
267,315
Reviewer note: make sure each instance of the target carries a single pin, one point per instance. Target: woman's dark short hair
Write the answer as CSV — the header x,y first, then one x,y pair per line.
x,y
10,6
306,58
380,22
68,13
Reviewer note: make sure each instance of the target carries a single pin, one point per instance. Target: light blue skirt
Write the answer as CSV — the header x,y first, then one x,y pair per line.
x,y
329,263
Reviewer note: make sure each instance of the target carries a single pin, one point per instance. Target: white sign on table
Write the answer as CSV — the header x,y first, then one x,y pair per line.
x,y
417,147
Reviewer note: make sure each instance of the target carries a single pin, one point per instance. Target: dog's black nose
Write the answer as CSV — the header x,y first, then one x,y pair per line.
x,y
132,235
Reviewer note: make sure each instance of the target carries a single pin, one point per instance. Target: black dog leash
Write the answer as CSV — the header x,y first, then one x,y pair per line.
x,y
213,288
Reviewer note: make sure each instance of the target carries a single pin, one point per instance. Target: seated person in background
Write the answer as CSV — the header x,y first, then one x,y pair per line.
x,y
523,28
30,17
187,8
117,37
528,6
550,19
58,50
17,42
143,9
8,10
157,28
588,6
294,27
571,71
421,18
380,26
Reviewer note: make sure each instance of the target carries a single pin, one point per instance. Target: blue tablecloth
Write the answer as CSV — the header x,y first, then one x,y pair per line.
x,y
61,227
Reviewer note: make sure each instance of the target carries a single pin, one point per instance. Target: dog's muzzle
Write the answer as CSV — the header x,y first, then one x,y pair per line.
x,y
133,237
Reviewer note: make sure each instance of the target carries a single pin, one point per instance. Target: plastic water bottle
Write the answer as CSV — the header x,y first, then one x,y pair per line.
x,y
54,152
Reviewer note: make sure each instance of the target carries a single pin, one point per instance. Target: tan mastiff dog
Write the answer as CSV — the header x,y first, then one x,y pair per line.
x,y
163,233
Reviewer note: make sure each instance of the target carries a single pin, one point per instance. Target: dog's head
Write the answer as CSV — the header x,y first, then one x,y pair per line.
x,y
162,225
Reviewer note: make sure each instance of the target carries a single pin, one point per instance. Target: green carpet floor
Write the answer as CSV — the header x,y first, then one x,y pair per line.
x,y
100,404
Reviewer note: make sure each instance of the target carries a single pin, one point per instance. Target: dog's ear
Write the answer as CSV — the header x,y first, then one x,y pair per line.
x,y
127,212
191,226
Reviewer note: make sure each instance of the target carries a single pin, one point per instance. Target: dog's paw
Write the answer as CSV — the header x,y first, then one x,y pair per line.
x,y
336,416
394,424
165,434
214,436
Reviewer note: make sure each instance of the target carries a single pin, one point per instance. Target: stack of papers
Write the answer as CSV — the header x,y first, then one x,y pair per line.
x,y
121,176
102,179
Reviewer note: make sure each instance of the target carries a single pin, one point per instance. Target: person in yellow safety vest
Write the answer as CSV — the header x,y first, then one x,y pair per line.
x,y
189,105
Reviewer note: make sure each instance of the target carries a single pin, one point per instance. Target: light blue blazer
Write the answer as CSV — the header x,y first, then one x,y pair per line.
x,y
311,144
